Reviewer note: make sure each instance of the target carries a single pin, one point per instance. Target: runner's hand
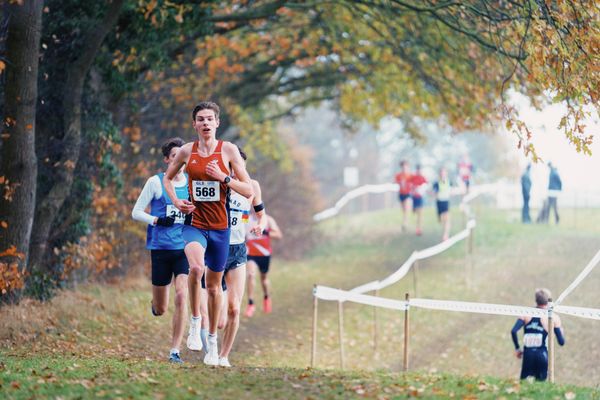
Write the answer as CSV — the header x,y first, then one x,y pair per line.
x,y
185,206
165,221
256,230
519,353
213,170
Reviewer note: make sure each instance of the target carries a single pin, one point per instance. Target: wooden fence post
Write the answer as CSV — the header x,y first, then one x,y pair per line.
x,y
406,333
313,355
375,324
341,333
550,343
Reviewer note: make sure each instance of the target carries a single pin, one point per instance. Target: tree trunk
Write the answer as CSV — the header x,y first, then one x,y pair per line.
x,y
48,207
18,162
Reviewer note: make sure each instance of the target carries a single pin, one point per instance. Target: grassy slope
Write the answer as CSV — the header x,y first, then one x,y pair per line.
x,y
108,327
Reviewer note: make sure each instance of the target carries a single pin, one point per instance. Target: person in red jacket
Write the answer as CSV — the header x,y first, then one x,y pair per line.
x,y
259,256
403,180
418,187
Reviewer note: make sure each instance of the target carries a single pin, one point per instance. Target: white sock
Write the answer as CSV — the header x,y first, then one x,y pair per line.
x,y
204,337
174,351
212,337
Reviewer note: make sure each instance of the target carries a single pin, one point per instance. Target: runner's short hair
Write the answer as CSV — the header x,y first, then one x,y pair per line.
x,y
169,144
541,296
244,156
206,105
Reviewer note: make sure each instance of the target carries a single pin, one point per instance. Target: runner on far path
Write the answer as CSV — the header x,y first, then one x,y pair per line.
x,y
442,197
535,346
206,232
465,171
418,188
235,269
403,180
165,242
259,255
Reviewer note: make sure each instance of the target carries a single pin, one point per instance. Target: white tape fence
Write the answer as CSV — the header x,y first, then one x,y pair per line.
x,y
357,294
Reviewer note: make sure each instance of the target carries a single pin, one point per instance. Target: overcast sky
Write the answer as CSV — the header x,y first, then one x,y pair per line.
x,y
578,171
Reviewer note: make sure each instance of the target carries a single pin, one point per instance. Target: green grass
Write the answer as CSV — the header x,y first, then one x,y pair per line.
x,y
101,339
70,377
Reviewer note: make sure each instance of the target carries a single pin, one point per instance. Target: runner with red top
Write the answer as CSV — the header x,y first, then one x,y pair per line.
x,y
465,170
206,231
418,187
259,255
403,181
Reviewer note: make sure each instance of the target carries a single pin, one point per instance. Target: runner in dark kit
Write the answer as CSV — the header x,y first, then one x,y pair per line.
x,y
535,350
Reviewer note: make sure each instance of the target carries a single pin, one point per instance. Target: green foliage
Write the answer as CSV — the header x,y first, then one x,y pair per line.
x,y
41,285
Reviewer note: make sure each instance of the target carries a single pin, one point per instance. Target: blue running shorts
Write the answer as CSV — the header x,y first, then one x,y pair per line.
x,y
215,243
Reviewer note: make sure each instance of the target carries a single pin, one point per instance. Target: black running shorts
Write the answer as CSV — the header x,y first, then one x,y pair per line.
x,y
262,262
166,264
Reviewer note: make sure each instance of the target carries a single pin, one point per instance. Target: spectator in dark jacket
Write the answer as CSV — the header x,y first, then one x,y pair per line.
x,y
554,188
526,189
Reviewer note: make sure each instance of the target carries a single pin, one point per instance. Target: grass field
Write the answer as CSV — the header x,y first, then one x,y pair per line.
x,y
102,341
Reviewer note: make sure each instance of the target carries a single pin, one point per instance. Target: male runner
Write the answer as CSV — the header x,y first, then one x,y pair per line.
x,y
535,350
418,188
465,170
165,242
403,180
235,269
442,197
208,162
259,255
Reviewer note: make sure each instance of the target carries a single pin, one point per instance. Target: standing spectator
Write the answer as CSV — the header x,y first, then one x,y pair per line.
x,y
417,191
526,189
403,181
554,188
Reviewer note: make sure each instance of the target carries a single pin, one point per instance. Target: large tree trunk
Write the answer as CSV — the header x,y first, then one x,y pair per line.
x,y
48,207
18,162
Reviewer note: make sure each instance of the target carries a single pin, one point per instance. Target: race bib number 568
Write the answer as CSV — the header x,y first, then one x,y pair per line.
x,y
206,190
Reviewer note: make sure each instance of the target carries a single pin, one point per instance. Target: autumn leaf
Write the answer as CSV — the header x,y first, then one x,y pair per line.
x,y
12,252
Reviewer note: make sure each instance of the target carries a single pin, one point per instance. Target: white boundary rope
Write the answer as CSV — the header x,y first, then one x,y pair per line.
x,y
357,294
586,271
331,294
354,193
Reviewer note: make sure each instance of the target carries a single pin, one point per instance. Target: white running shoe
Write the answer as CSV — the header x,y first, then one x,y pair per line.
x,y
224,362
193,341
212,355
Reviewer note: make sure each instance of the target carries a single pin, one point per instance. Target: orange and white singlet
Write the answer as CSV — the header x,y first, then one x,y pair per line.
x,y
208,195
261,245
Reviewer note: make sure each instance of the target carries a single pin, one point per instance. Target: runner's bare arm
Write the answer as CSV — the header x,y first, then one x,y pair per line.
x,y
181,158
274,231
262,217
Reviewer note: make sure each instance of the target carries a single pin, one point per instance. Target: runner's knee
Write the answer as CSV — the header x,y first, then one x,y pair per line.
x,y
196,272
213,290
233,311
180,298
